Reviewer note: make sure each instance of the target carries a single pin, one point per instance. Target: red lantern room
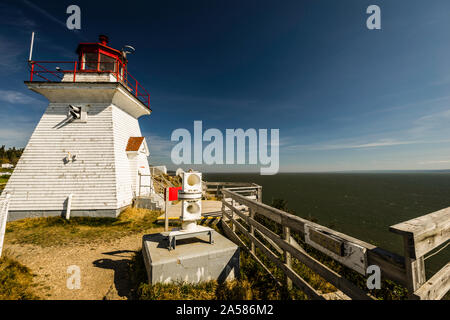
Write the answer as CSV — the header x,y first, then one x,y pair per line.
x,y
99,57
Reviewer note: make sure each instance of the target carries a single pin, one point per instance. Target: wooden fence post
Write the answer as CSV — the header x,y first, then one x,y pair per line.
x,y
287,255
166,210
233,227
252,228
4,205
415,268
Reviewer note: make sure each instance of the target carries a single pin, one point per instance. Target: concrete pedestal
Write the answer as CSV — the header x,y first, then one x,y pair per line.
x,y
194,260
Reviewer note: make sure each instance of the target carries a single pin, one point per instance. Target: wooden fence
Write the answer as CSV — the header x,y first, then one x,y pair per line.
x,y
4,204
214,189
245,216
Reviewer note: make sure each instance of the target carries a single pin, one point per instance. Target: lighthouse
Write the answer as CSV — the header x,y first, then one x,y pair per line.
x,y
87,155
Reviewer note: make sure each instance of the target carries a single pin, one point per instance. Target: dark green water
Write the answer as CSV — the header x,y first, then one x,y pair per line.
x,y
362,205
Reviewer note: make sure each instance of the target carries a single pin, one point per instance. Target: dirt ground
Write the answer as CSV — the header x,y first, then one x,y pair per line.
x,y
103,267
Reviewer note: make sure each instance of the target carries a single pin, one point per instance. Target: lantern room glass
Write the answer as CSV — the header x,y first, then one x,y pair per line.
x,y
107,63
95,61
90,61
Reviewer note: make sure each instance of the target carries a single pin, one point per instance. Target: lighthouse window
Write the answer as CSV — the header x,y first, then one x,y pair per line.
x,y
107,63
90,61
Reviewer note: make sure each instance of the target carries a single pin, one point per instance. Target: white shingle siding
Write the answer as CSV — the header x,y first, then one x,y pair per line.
x,y
42,181
100,178
125,126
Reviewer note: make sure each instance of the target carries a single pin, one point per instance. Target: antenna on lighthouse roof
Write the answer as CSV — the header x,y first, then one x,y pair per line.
x,y
31,46
127,49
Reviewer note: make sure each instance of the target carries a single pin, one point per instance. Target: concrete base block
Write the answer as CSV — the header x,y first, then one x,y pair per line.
x,y
194,260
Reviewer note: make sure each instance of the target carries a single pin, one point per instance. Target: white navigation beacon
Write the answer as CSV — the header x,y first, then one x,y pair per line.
x,y
191,208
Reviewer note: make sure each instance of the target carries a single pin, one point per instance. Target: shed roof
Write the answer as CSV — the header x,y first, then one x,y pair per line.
x,y
134,143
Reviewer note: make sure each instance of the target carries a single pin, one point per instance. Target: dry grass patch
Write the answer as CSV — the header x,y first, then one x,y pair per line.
x,y
16,280
52,231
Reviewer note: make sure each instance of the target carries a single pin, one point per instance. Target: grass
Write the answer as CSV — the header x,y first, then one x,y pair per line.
x,y
53,231
16,280
244,289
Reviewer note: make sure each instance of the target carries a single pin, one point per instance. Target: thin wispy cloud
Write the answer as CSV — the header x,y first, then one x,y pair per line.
x,y
358,145
52,18
13,16
435,162
434,123
374,144
12,54
160,148
44,13
341,146
14,97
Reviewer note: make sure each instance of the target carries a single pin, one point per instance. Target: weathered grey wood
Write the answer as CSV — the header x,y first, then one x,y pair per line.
x,y
214,188
235,210
436,287
421,235
296,279
233,226
329,242
252,229
259,194
426,232
301,283
273,244
392,265
287,254
296,245
4,207
244,217
331,276
229,233
237,184
415,268
238,225
224,217
239,189
260,208
349,254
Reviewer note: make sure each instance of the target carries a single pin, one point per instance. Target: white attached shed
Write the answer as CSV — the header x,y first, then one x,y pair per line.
x,y
137,152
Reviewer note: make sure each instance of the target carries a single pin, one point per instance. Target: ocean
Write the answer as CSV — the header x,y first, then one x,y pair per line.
x,y
362,205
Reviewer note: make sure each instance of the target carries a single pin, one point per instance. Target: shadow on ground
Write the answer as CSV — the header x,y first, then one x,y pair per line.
x,y
122,281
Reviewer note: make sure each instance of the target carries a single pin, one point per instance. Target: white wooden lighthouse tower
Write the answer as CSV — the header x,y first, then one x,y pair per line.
x,y
87,151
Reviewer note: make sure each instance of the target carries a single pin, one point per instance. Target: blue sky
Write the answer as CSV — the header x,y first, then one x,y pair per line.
x,y
344,97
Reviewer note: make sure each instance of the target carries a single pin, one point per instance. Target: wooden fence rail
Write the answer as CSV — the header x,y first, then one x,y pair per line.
x,y
4,205
213,189
420,236
243,215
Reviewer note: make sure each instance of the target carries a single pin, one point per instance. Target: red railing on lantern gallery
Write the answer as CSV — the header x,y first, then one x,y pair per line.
x,y
56,71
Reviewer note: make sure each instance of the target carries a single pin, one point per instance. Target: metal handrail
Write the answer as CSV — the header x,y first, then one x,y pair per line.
x,y
120,72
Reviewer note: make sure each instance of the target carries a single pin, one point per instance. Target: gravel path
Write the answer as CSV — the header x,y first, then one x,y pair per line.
x,y
103,267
